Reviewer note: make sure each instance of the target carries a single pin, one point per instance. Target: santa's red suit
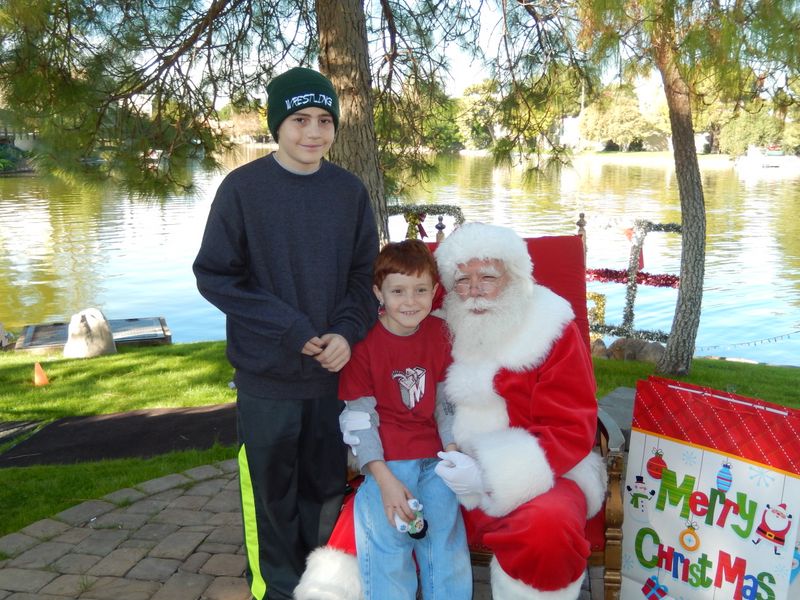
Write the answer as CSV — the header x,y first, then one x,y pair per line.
x,y
525,410
775,524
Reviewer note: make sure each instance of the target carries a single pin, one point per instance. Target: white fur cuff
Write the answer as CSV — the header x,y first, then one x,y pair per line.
x,y
591,476
506,587
514,469
330,575
469,501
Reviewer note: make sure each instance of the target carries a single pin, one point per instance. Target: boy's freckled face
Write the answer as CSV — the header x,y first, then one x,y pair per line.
x,y
407,300
304,137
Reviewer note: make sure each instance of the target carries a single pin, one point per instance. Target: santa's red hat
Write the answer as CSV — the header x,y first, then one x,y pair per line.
x,y
484,242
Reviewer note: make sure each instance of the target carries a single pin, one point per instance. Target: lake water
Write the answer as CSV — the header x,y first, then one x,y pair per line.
x,y
62,250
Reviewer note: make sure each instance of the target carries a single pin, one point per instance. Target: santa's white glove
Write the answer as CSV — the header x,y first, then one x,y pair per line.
x,y
350,421
460,473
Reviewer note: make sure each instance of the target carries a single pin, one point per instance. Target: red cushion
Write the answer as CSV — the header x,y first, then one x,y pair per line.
x,y
596,530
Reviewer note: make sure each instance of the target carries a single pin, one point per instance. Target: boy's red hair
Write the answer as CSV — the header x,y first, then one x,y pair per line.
x,y
409,257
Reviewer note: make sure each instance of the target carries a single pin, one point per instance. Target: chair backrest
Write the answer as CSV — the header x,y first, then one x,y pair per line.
x,y
559,264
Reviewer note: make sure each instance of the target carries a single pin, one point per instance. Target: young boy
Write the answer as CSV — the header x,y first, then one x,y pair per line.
x,y
287,255
393,376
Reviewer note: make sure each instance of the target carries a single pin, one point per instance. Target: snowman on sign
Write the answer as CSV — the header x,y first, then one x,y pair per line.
x,y
775,524
640,500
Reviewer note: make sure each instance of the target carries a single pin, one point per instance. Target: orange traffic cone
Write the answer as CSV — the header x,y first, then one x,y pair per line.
x,y
39,376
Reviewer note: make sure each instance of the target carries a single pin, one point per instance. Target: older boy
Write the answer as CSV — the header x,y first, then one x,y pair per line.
x,y
287,256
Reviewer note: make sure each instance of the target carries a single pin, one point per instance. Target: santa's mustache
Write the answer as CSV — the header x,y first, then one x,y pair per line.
x,y
479,304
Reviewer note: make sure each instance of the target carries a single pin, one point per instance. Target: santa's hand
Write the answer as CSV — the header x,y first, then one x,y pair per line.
x,y
350,421
460,472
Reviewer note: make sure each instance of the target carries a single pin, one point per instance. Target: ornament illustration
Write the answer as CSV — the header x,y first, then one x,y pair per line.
x,y
656,464
724,477
689,538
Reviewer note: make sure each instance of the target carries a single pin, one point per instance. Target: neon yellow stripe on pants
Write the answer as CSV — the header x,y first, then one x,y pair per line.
x,y
258,586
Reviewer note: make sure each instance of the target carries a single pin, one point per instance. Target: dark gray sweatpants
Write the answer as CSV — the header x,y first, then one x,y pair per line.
x,y
292,475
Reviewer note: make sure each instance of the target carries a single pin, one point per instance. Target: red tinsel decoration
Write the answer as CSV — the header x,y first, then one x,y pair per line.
x,y
642,278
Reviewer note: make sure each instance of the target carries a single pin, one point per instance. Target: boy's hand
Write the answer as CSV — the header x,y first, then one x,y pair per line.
x,y
335,352
313,347
395,501
394,494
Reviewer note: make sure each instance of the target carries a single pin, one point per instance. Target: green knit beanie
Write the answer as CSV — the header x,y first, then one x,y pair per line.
x,y
295,90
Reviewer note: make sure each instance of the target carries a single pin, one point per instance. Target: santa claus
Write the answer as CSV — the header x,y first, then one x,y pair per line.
x,y
775,524
525,418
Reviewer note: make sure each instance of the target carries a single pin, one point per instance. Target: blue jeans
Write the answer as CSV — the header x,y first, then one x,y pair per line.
x,y
385,555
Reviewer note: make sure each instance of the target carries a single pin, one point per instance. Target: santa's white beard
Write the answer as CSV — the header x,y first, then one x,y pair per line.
x,y
484,334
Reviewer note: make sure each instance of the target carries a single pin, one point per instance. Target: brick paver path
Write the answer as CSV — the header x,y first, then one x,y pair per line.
x,y
178,537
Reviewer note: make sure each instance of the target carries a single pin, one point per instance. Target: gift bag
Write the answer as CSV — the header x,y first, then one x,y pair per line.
x,y
712,496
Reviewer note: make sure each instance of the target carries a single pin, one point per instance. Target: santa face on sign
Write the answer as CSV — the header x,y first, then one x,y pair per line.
x,y
775,523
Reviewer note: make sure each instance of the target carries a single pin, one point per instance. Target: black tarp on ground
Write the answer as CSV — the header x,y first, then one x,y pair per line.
x,y
138,433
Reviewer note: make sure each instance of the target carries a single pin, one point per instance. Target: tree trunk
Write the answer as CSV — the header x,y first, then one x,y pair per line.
x,y
344,58
677,358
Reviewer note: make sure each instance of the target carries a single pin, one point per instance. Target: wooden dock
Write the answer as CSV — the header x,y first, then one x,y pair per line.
x,y
51,337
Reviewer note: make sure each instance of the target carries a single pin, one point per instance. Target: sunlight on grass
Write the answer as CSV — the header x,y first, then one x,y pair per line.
x,y
180,375
770,383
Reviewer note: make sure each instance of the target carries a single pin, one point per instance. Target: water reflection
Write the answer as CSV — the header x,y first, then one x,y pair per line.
x,y
62,250
753,249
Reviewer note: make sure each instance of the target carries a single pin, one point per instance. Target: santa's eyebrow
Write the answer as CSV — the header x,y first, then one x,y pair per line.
x,y
488,271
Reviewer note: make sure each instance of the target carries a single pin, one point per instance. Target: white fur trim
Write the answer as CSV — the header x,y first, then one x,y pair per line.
x,y
514,469
478,408
591,476
330,575
469,501
482,241
547,317
506,587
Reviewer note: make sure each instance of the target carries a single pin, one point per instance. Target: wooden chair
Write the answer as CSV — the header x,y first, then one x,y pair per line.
x,y
559,264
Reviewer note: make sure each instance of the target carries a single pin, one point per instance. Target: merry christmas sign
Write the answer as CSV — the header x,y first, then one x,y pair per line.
x,y
712,496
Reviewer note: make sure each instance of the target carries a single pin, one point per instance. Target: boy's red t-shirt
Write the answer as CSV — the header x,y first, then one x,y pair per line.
x,y
401,372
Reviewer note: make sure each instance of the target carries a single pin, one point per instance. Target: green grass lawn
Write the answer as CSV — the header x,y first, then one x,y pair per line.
x,y
177,375
28,494
184,375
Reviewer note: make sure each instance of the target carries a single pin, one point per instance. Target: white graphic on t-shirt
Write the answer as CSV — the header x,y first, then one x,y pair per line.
x,y
412,385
